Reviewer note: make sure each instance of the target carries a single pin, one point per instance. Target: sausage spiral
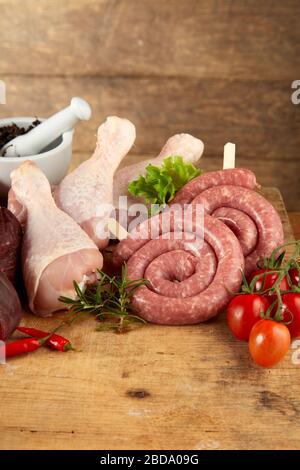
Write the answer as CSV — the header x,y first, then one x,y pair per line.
x,y
228,195
186,285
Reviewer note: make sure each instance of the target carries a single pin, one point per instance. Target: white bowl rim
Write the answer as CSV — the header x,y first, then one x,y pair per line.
x,y
65,142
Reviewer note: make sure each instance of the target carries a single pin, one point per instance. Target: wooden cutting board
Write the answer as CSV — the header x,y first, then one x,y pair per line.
x,y
154,388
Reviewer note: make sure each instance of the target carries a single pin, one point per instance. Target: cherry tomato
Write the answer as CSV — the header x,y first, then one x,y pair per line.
x,y
291,311
267,281
269,342
294,275
243,312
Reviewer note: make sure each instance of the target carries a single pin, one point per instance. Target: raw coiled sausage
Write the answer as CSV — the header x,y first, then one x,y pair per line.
x,y
228,195
251,217
187,283
236,177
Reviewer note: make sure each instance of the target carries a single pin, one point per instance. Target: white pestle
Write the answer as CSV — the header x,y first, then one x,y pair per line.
x,y
45,133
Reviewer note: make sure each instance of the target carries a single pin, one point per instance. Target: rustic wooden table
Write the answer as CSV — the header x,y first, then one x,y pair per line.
x,y
159,63
155,388
295,222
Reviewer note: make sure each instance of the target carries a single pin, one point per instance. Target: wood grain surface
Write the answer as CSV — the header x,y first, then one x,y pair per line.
x,y
154,388
295,222
219,69
162,38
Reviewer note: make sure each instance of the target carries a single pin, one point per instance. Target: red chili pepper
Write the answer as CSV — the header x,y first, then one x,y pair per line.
x,y
57,342
22,346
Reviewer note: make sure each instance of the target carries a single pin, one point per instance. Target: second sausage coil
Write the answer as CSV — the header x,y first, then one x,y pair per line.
x,y
228,195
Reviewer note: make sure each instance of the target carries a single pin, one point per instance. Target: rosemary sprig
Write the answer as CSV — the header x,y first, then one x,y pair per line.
x,y
109,299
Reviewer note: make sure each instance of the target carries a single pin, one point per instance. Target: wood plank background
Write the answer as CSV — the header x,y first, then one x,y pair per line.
x,y
219,69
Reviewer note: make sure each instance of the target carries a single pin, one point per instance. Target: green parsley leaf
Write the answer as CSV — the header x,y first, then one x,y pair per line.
x,y
160,184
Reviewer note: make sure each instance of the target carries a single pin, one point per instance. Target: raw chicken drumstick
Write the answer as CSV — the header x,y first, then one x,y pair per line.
x,y
55,250
184,145
86,194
